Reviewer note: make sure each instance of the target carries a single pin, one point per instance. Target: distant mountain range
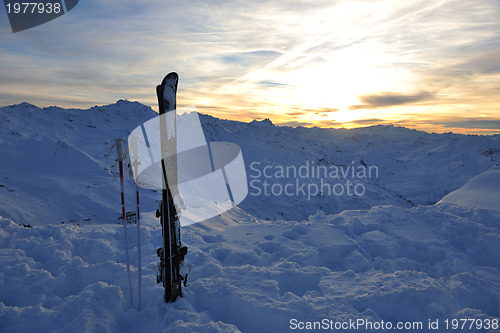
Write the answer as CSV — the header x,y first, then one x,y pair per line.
x,y
53,166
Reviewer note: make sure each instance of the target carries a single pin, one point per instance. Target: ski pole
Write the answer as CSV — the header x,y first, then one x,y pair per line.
x,y
135,164
138,243
119,152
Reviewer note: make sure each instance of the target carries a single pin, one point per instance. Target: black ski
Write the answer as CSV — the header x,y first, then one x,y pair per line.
x,y
171,254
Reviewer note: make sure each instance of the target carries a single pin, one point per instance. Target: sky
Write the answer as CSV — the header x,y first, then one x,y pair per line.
x,y
427,65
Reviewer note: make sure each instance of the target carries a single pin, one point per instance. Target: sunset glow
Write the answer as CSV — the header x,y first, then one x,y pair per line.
x,y
425,65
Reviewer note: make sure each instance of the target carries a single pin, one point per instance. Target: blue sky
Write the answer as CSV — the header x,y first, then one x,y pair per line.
x,y
430,65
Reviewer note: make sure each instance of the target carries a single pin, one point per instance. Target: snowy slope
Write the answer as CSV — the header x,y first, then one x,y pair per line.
x,y
480,192
384,256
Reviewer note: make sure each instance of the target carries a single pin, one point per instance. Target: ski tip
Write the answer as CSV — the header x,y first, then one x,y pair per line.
x,y
170,77
166,92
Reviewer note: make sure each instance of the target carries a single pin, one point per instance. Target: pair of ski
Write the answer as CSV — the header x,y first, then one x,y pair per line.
x,y
172,253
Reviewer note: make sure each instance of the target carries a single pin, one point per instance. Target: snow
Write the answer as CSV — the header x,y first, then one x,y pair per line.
x,y
392,254
481,192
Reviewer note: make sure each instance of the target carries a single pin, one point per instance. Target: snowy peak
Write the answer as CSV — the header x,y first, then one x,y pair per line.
x,y
262,123
24,106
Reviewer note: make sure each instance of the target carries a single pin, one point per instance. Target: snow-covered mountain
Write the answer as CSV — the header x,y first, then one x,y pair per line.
x,y
413,167
277,262
54,166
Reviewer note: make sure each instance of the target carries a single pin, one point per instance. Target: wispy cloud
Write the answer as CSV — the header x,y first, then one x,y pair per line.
x,y
489,123
241,59
388,99
366,122
294,123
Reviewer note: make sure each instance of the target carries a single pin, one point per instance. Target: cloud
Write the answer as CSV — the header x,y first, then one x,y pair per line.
x,y
249,58
296,113
490,123
324,110
370,121
273,84
486,62
294,123
388,99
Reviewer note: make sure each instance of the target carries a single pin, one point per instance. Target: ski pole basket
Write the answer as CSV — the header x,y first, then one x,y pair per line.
x,y
131,217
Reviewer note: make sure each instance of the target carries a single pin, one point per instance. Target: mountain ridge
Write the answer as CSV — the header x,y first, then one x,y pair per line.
x,y
63,151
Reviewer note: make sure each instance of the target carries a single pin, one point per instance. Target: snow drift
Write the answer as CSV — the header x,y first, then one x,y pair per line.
x,y
482,191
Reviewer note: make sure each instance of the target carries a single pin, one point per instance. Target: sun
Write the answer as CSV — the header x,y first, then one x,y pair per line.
x,y
340,78
333,79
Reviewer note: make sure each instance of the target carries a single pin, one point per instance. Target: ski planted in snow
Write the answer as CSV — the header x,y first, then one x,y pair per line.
x,y
172,253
